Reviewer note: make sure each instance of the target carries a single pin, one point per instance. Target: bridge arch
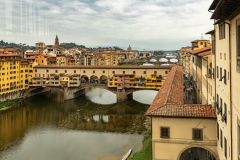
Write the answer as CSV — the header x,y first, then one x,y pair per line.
x,y
197,153
94,79
84,79
103,79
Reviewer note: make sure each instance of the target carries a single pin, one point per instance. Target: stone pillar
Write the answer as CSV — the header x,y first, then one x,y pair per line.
x,y
121,95
71,93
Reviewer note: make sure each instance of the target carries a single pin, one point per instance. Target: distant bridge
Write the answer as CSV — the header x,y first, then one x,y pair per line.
x,y
68,82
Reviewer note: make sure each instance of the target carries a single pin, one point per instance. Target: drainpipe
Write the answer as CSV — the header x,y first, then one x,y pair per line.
x,y
230,78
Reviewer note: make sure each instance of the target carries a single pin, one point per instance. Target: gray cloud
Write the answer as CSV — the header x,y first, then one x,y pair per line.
x,y
150,24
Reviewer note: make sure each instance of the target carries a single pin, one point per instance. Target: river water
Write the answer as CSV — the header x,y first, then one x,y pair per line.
x,y
41,129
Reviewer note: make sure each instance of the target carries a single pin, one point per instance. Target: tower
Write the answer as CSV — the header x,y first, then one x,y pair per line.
x,y
129,48
56,42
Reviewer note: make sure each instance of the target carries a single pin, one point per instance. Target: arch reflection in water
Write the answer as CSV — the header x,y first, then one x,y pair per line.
x,y
101,96
145,96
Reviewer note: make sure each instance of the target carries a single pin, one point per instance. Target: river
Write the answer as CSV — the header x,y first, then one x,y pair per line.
x,y
41,129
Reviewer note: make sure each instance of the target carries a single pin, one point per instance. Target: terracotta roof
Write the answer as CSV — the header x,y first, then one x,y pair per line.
x,y
167,94
8,55
31,57
169,101
205,53
186,110
201,50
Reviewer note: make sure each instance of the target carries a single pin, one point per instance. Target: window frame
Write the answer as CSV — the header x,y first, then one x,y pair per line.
x,y
238,44
194,133
225,147
168,132
222,30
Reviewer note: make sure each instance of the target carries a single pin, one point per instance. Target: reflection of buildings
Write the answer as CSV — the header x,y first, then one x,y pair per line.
x,y
15,122
109,123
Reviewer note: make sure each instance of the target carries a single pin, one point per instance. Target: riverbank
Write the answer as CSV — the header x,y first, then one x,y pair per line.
x,y
146,152
9,103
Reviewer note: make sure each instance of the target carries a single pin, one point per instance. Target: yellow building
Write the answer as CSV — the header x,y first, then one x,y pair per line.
x,y
226,15
202,74
14,76
181,131
41,59
186,60
132,81
61,60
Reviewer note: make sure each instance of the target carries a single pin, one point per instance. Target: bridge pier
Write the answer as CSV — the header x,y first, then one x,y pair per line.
x,y
121,95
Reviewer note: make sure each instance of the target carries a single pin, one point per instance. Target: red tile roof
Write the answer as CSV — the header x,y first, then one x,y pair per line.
x,y
169,101
185,110
201,50
9,55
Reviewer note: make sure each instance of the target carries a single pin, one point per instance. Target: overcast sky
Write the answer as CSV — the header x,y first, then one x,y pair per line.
x,y
145,24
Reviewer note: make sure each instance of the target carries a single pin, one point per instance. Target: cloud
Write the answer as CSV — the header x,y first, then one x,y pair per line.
x,y
143,23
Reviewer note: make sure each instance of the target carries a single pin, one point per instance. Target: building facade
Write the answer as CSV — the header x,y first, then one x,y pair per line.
x,y
15,76
181,131
226,15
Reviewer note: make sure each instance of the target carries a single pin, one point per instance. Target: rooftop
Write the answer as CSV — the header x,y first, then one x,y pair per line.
x,y
225,9
169,101
202,51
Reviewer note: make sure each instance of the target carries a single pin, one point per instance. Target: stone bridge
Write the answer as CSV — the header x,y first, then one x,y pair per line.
x,y
68,82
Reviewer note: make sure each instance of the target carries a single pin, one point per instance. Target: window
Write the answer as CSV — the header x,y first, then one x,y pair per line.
x,y
113,72
93,71
225,76
84,71
225,147
217,72
74,71
220,107
134,72
144,72
155,72
221,30
56,71
220,72
65,71
197,134
224,118
217,131
103,72
238,45
221,136
123,72
47,70
238,140
165,132
217,106
213,73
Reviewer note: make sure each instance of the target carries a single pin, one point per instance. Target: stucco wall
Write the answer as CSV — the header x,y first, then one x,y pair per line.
x,y
181,136
235,91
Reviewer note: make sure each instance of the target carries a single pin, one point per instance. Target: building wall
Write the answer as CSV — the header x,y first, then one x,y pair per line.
x,y
41,60
14,77
235,92
181,137
223,91
204,97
